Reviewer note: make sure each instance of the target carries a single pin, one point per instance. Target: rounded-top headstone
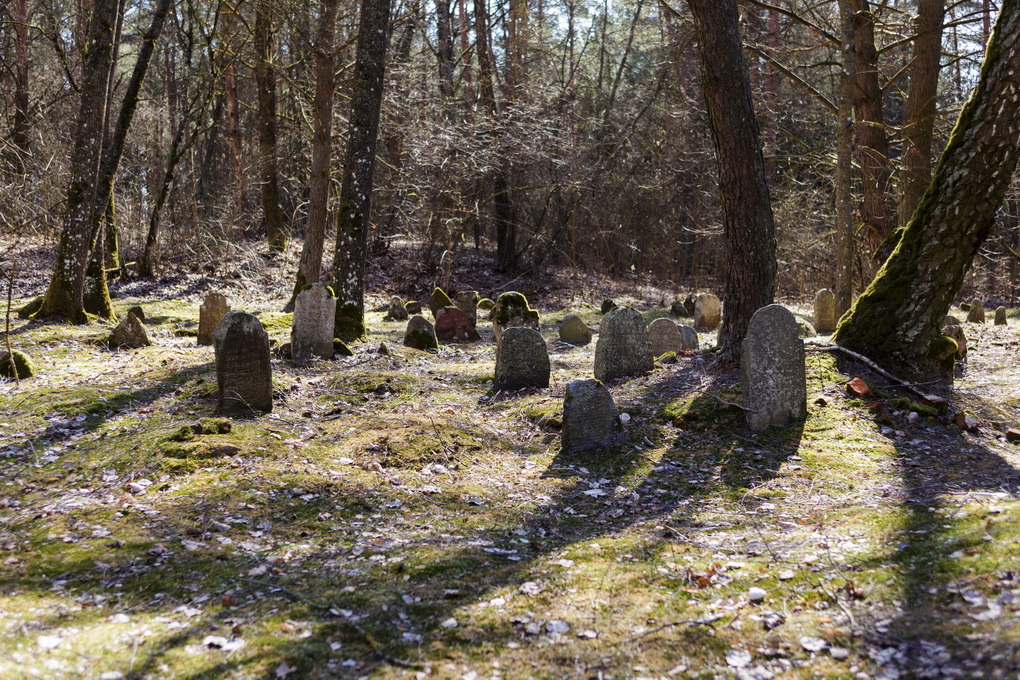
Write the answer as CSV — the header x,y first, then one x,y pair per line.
x,y
396,311
590,418
707,312
689,336
211,312
574,331
664,336
244,377
467,302
825,312
622,349
976,313
311,333
420,334
772,370
522,360
438,300
1000,316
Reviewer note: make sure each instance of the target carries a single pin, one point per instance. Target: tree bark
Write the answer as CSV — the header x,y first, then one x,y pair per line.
x,y
918,130
845,255
20,128
265,77
747,210
896,321
310,266
356,186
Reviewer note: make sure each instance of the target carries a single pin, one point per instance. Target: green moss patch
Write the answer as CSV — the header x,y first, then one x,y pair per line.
x,y
16,364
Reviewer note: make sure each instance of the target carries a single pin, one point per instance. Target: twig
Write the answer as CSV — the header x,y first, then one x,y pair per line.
x,y
870,364
672,624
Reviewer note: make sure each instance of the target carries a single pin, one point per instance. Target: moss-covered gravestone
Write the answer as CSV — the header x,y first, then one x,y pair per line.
x,y
772,370
213,309
311,333
591,420
622,349
955,333
130,333
16,363
244,377
420,334
512,310
438,300
522,360
412,307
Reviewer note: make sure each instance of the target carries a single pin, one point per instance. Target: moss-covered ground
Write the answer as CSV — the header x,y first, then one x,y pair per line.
x,y
397,517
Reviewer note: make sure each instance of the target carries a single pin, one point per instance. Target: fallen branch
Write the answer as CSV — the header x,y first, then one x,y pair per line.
x,y
903,384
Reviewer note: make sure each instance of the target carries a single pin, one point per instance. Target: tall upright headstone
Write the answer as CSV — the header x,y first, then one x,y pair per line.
x,y
772,370
664,336
707,312
311,333
590,418
467,302
1000,316
522,360
244,377
213,309
622,349
825,312
976,313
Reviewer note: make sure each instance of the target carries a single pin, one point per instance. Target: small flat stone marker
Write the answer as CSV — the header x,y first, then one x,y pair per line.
x,y
772,370
590,418
312,330
825,312
622,349
522,360
213,309
244,377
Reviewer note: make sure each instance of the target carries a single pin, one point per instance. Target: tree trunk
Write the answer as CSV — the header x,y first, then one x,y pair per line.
x,y
743,190
896,321
845,254
356,186
66,291
919,127
310,266
20,128
265,77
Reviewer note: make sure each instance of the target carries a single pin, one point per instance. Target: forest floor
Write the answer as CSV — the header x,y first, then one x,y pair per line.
x,y
394,517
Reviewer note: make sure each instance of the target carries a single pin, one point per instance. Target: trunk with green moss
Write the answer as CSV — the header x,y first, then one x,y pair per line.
x,y
896,321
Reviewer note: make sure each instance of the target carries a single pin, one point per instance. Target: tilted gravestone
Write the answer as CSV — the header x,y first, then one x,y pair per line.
x,y
825,312
454,325
522,360
397,311
311,333
772,370
664,336
213,309
623,348
574,331
590,418
976,313
1000,316
130,332
420,334
689,337
707,313
244,377
467,302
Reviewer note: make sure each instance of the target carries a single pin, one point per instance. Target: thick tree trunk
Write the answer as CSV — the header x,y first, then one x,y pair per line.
x,y
310,266
896,320
919,127
66,291
747,210
356,186
845,255
20,128
265,77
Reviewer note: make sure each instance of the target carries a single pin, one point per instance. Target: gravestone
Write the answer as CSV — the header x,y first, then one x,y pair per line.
x,y
244,377
210,313
689,303
412,307
623,348
453,325
688,338
976,313
707,312
467,302
574,331
590,418
805,329
129,333
608,305
955,331
1000,316
438,300
512,310
825,312
772,370
664,336
522,360
949,320
397,311
138,311
311,332
420,334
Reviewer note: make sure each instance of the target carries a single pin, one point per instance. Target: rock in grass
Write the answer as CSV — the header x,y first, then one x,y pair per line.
x,y
16,363
420,334
129,333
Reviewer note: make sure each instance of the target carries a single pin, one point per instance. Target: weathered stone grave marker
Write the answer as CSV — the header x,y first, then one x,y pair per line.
x,y
522,360
213,309
244,377
590,418
1000,316
976,313
707,312
825,312
664,336
397,310
772,370
130,332
623,348
311,332
420,334
574,331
